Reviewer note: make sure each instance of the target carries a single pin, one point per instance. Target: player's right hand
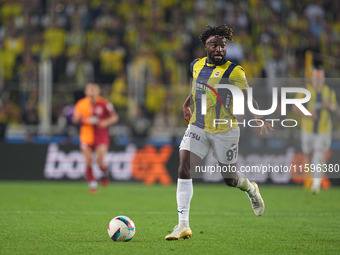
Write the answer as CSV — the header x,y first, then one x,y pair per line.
x,y
187,113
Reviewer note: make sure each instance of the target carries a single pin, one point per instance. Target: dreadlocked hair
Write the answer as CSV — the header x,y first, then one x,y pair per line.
x,y
222,30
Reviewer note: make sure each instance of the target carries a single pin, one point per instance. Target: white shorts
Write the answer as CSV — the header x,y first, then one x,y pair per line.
x,y
224,145
315,142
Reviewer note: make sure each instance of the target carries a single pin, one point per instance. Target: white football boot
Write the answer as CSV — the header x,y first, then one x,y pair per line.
x,y
315,190
256,201
179,232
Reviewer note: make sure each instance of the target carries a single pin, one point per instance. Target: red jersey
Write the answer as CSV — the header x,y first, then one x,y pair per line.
x,y
102,109
92,135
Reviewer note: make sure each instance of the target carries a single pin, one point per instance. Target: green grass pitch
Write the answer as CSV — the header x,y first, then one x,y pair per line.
x,y
63,218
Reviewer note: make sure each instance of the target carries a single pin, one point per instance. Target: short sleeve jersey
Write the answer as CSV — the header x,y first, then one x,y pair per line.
x,y
101,109
219,101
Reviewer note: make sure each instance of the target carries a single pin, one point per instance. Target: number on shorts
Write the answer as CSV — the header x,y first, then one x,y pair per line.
x,y
231,154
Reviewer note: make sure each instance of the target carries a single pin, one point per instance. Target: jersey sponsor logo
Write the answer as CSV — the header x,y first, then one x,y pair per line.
x,y
192,135
98,110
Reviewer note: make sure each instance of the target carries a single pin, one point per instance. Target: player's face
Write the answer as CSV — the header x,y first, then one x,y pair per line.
x,y
92,90
216,50
318,79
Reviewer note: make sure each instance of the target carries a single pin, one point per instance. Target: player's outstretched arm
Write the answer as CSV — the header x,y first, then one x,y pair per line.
x,y
266,127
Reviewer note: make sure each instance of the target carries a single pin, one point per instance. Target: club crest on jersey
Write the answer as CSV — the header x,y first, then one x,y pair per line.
x,y
217,73
98,110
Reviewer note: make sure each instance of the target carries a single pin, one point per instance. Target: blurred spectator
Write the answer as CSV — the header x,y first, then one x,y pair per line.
x,y
65,124
9,114
119,96
140,127
106,17
14,42
30,117
145,67
155,97
77,13
235,52
54,41
10,9
252,66
316,26
112,60
276,5
275,68
96,39
55,15
75,40
28,78
315,11
7,63
165,122
154,41
146,62
79,71
31,16
35,44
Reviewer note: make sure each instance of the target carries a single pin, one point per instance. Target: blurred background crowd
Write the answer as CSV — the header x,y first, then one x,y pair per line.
x,y
139,52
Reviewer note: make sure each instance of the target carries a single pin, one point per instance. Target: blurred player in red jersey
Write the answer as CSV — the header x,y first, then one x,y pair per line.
x,y
95,114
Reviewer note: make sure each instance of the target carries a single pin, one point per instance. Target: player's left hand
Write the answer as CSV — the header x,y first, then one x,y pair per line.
x,y
265,125
187,113
102,124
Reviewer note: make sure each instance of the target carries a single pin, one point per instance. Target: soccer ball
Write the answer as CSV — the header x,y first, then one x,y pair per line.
x,y
121,229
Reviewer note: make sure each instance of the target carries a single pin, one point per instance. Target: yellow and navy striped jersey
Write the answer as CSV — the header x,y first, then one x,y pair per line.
x,y
323,122
218,101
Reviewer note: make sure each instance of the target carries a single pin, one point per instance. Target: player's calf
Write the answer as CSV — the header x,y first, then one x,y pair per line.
x,y
104,180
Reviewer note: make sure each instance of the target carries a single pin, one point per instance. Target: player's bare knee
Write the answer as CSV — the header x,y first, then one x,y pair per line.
x,y
232,182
